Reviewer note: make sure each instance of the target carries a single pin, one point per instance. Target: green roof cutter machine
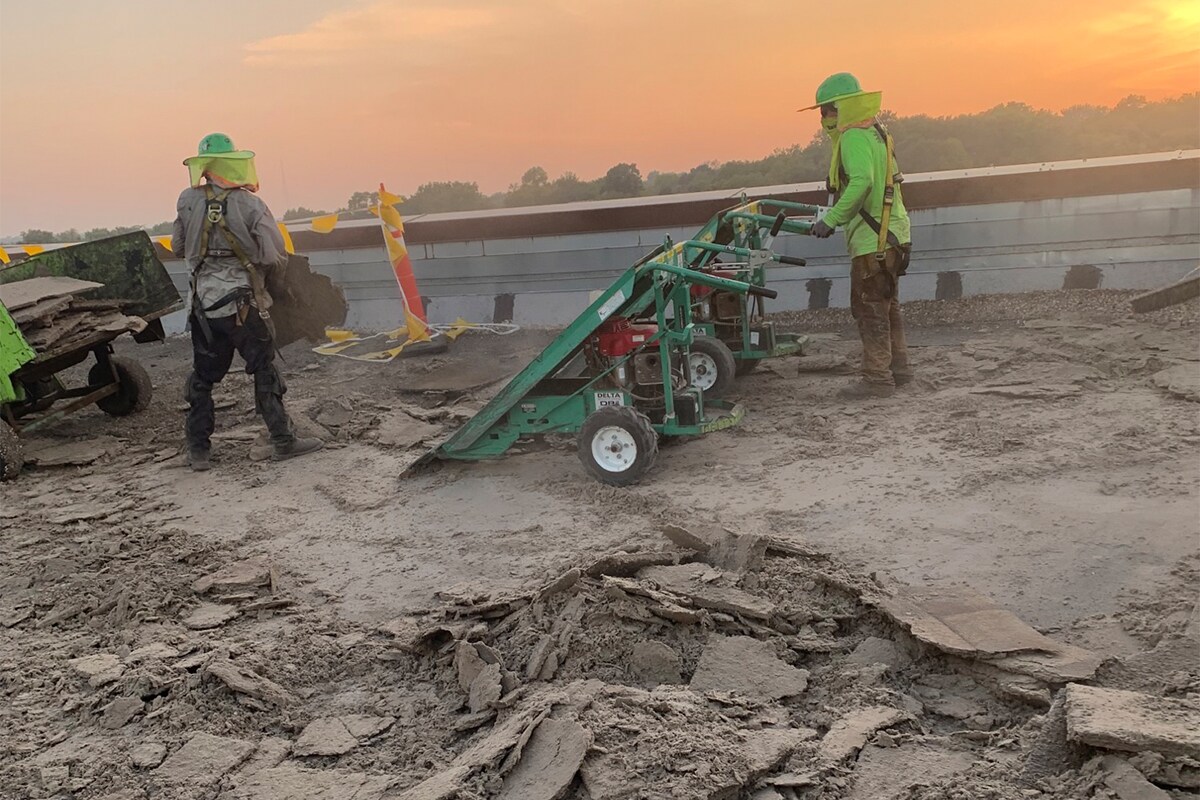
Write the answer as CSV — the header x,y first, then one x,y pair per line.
x,y
619,376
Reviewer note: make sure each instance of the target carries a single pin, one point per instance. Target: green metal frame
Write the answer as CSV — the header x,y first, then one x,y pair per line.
x,y
543,399
743,226
15,352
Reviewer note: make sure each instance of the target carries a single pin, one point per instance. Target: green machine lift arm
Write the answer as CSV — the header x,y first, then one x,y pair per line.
x,y
753,225
743,226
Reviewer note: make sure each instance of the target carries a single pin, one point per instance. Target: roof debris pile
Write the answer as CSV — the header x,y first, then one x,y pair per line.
x,y
143,660
53,316
715,666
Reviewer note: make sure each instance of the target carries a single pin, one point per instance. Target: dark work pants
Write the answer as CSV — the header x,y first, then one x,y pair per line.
x,y
876,308
211,360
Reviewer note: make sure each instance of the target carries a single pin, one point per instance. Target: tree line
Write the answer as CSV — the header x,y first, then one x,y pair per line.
x,y
1010,133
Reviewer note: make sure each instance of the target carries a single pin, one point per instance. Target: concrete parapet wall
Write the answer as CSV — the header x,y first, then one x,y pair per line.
x,y
1135,220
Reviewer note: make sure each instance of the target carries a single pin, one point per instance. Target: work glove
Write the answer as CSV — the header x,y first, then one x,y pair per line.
x,y
821,230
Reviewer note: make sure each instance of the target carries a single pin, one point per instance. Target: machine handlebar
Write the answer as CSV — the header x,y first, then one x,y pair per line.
x,y
762,291
791,261
778,224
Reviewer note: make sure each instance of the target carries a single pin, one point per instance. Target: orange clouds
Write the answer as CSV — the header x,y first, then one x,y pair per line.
x,y
349,37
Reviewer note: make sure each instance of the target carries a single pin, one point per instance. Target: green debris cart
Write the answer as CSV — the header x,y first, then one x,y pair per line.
x,y
34,392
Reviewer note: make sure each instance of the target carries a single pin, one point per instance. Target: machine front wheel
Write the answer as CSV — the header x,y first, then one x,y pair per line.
x,y
133,387
712,366
617,445
12,454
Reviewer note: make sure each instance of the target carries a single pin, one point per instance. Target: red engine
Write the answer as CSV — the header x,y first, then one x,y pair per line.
x,y
617,337
699,291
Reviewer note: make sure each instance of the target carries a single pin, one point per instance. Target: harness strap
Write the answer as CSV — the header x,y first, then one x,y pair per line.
x,y
889,195
236,296
215,215
214,210
882,227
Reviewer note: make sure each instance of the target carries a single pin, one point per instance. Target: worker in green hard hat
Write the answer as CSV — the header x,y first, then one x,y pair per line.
x,y
233,248
865,180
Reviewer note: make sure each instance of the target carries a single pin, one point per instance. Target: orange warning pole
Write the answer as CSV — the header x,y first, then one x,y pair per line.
x,y
393,236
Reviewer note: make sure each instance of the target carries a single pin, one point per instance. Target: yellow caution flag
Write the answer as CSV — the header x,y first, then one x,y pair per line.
x,y
4,257
324,224
33,249
165,241
287,239
392,217
458,328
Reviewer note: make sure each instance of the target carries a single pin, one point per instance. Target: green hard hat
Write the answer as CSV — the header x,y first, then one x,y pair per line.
x,y
836,87
219,145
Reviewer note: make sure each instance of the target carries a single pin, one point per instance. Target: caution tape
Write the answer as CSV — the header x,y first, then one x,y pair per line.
x,y
381,348
322,224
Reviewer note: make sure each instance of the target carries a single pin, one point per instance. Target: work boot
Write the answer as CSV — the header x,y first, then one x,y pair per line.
x,y
902,378
863,390
197,459
296,447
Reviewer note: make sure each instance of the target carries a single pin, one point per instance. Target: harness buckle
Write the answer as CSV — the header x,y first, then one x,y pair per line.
x,y
215,211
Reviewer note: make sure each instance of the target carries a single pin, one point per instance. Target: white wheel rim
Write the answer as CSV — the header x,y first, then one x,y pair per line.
x,y
614,449
704,370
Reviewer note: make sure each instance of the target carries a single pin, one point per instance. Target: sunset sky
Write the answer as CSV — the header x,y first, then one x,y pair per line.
x,y
101,100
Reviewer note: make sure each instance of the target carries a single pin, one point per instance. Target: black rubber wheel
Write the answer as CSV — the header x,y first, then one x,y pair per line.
x,y
134,388
617,445
12,454
712,366
746,365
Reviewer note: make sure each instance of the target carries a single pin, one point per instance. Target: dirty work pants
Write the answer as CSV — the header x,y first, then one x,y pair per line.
x,y
211,360
875,304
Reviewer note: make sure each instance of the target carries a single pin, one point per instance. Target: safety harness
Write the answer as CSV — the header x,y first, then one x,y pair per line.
x,y
882,225
214,214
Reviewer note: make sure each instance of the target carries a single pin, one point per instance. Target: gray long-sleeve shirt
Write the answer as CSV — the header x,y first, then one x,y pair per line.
x,y
249,220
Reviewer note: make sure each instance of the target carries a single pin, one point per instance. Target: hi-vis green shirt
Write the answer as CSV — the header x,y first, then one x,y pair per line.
x,y
863,155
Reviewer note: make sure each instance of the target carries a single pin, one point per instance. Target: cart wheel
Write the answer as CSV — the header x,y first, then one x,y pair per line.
x,y
746,365
134,388
12,454
617,445
712,366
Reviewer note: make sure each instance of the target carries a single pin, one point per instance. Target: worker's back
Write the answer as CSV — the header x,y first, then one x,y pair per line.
x,y
245,213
